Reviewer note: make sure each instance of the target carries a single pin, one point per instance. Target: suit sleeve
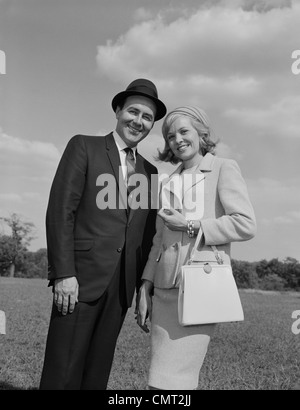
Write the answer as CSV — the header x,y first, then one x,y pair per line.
x,y
150,227
149,234
149,271
65,194
238,222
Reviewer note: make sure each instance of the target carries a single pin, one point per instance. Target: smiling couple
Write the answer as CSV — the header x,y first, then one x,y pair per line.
x,y
98,258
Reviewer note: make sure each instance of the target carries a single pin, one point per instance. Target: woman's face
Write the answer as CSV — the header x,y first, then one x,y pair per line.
x,y
184,141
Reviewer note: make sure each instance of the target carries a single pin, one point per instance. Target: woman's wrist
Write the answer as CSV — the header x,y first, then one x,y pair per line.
x,y
192,227
148,285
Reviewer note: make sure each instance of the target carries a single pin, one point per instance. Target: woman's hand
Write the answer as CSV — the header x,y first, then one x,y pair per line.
x,y
173,219
144,305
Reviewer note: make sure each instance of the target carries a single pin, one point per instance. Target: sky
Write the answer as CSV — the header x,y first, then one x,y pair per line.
x,y
66,59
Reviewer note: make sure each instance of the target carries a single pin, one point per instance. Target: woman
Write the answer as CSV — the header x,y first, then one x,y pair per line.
x,y
204,191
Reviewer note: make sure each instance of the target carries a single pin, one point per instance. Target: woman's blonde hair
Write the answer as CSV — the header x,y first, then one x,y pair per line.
x,y
199,121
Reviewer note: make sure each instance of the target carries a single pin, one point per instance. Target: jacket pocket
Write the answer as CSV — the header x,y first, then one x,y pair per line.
x,y
83,244
167,261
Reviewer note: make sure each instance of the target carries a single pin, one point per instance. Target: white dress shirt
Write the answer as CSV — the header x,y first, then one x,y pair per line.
x,y
121,145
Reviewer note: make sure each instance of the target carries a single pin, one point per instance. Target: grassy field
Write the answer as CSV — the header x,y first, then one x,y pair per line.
x,y
260,353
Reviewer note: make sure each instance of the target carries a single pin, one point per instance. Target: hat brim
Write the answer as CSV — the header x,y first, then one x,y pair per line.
x,y
161,109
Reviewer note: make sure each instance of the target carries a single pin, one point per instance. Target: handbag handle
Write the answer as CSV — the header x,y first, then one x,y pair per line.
x,y
214,248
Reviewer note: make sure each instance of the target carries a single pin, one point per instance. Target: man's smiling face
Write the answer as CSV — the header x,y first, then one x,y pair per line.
x,y
136,119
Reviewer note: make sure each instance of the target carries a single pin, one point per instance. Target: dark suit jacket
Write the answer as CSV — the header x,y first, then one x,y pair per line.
x,y
85,241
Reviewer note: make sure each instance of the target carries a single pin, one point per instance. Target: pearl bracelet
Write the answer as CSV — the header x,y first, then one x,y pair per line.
x,y
191,229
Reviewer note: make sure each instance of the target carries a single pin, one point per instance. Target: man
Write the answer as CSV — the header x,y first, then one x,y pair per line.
x,y
97,254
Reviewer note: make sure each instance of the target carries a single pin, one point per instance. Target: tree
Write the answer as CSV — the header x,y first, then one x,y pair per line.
x,y
35,265
288,272
262,268
244,274
272,282
6,253
292,272
16,246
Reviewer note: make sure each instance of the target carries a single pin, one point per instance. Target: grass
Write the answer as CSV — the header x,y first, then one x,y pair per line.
x,y
260,353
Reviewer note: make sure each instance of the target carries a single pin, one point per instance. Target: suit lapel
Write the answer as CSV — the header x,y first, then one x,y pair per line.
x,y
140,169
114,159
113,155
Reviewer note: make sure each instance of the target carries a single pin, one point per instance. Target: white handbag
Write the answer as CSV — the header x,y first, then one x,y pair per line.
x,y
208,291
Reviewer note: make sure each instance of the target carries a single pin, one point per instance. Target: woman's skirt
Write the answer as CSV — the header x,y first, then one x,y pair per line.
x,y
177,352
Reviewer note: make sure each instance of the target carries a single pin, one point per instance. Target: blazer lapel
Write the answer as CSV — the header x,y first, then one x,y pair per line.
x,y
194,188
193,197
190,180
207,163
171,191
183,192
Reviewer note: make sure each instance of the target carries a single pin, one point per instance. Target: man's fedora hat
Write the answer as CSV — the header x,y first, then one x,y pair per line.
x,y
145,88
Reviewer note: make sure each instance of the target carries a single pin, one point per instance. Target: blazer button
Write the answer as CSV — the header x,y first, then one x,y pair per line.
x,y
119,250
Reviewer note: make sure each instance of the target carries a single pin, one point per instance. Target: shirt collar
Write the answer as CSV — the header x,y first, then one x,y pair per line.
x,y
121,145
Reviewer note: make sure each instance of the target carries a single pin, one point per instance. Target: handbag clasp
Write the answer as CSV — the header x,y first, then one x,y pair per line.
x,y
207,267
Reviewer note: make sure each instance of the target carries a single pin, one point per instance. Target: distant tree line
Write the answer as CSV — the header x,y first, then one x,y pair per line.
x,y
15,258
268,275
17,261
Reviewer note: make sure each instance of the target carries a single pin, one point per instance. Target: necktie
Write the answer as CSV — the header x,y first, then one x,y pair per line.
x,y
130,162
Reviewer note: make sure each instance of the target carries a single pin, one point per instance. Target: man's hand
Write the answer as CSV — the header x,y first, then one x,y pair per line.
x,y
66,294
144,305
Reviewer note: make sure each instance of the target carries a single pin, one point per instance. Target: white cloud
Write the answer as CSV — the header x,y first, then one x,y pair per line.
x,y
141,14
268,187
265,5
36,149
281,118
218,41
10,197
275,200
103,131
36,196
231,58
290,218
225,151
260,6
23,159
26,172
295,215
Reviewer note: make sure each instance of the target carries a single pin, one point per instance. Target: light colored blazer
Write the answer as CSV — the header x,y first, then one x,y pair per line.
x,y
225,212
